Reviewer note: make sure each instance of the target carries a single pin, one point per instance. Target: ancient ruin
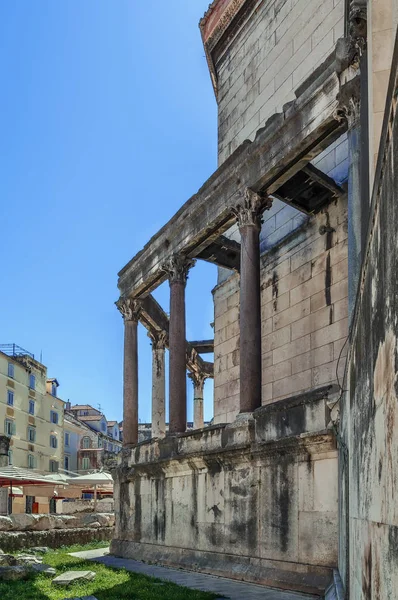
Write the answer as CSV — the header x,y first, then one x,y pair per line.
x,y
297,475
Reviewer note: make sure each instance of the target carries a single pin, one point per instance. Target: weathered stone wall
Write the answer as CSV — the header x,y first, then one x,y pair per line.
x,y
304,315
26,531
271,55
369,415
254,500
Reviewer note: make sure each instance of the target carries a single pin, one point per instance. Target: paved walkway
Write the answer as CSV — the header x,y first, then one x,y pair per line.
x,y
228,588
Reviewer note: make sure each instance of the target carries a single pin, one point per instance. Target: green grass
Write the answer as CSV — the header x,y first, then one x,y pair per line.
x,y
109,584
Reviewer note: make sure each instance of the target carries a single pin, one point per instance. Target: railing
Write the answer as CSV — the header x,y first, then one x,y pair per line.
x,y
14,350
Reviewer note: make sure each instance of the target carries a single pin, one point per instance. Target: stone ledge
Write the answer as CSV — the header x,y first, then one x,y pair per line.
x,y
288,576
11,541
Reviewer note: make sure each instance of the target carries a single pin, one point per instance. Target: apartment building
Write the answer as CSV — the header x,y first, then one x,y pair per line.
x,y
88,438
30,411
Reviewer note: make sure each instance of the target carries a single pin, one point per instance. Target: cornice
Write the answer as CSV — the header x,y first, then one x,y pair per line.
x,y
217,25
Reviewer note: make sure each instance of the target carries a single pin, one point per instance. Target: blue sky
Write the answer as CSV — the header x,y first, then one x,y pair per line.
x,y
108,124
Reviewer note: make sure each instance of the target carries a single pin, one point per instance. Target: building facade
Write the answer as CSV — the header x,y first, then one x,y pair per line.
x,y
31,413
296,477
89,439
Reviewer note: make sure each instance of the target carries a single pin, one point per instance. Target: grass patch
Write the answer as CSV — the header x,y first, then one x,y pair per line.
x,y
109,584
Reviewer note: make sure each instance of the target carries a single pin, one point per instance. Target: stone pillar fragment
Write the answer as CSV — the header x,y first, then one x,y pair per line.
x,y
198,380
248,217
177,268
158,384
130,310
349,110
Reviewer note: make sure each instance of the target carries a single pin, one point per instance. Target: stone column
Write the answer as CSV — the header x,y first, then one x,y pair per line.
x,y
177,270
198,380
158,384
249,222
130,310
349,110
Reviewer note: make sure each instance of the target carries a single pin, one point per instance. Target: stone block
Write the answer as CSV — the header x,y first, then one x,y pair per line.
x,y
276,339
292,349
69,577
307,289
14,573
44,570
6,523
312,322
336,292
296,312
332,333
318,538
313,358
22,522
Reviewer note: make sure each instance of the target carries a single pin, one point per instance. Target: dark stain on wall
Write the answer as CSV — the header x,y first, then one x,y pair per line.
x,y
137,510
328,281
367,573
275,289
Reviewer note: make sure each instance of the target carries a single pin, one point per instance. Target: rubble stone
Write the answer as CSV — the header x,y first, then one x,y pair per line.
x,y
44,569
73,576
14,573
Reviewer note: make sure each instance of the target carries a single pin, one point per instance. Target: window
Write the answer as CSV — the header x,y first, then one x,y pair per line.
x,y
31,407
32,382
115,434
103,426
31,434
54,417
31,461
9,427
86,442
11,370
54,466
66,438
54,389
66,463
100,443
85,463
84,413
53,441
10,457
10,398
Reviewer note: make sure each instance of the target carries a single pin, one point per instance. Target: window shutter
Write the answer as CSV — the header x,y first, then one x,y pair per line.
x,y
13,428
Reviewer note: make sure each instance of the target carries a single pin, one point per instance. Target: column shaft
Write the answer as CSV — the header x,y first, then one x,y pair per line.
x,y
158,392
130,386
250,320
177,359
198,421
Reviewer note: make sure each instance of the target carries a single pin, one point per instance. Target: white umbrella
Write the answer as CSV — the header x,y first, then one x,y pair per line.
x,y
94,479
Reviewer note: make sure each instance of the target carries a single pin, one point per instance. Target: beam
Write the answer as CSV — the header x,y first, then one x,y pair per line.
x,y
284,146
203,346
153,318
222,252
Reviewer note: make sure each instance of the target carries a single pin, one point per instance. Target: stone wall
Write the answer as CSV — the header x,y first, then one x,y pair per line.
x,y
271,55
254,500
369,415
26,531
304,315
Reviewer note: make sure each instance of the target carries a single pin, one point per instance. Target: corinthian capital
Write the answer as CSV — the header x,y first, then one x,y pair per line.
x,y
349,100
251,210
177,268
158,339
130,308
198,379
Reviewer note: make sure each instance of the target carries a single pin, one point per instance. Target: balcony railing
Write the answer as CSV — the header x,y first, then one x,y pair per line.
x,y
15,350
